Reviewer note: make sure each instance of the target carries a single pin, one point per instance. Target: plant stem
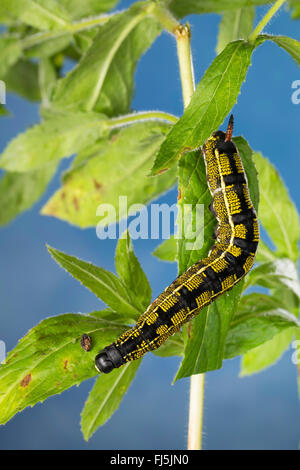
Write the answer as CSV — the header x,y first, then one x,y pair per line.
x,y
196,412
141,116
265,20
72,28
183,37
164,16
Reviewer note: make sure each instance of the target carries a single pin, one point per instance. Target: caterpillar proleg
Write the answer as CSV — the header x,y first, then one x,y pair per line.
x,y
228,261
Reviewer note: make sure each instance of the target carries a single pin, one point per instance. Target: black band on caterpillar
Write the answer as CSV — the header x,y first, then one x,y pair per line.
x,y
229,260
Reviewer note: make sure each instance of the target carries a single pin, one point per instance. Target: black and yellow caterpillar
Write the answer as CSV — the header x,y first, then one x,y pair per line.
x,y
229,260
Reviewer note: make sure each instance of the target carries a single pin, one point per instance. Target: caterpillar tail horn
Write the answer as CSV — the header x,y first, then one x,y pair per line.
x,y
229,129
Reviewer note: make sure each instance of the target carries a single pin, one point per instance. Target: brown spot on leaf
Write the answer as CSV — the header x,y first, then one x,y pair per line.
x,y
114,137
66,364
179,195
63,195
162,170
26,381
97,185
75,203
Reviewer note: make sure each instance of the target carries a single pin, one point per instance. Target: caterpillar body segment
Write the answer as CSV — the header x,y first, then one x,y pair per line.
x,y
229,260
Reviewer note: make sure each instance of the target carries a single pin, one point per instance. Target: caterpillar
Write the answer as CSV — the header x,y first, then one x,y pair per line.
x,y
228,261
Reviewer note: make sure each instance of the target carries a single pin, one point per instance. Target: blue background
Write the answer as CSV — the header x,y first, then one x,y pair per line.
x,y
257,412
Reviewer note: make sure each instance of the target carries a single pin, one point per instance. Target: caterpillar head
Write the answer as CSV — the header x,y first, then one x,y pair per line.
x,y
102,363
108,359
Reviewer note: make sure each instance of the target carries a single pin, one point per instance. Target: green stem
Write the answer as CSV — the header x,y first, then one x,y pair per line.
x,y
183,37
142,116
265,20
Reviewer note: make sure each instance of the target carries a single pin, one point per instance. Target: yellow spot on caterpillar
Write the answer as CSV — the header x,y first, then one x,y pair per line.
x,y
219,265
238,162
233,200
203,298
178,318
162,329
168,303
255,231
153,316
225,164
228,282
248,263
247,196
240,231
234,250
193,283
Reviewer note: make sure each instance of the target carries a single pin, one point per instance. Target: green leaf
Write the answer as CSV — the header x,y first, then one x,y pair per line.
x,y
10,52
106,396
189,7
193,191
41,14
3,111
111,315
290,45
167,250
235,24
275,274
264,253
18,192
258,319
84,40
59,136
47,80
173,347
131,273
277,212
214,97
49,359
22,78
205,343
46,44
265,355
118,165
294,4
287,298
79,9
104,284
103,79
